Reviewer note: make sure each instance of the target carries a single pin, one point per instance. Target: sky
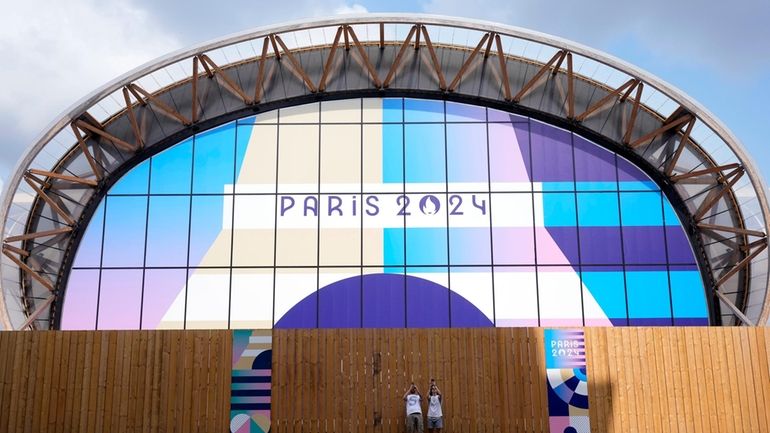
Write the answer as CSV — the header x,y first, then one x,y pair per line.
x,y
56,52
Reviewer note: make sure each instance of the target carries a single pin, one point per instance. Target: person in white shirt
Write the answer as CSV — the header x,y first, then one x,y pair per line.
x,y
413,400
435,415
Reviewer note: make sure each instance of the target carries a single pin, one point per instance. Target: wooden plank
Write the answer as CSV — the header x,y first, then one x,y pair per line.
x,y
596,373
745,377
209,381
392,393
686,419
704,351
727,399
49,377
736,382
633,370
64,392
672,396
176,383
101,381
695,369
762,373
22,373
752,357
7,353
490,375
536,351
615,379
691,420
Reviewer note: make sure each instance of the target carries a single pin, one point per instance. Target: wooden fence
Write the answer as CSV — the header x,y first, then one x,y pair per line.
x,y
640,379
115,381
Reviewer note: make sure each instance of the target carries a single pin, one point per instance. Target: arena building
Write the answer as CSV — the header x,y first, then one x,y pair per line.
x,y
347,174
377,174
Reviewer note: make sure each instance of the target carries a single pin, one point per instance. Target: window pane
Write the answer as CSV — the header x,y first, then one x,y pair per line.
x,y
298,158
251,306
515,296
214,160
469,240
427,297
210,232
341,111
467,157
90,249
632,178
512,233
472,297
555,231
339,298
424,152
642,217
120,299
688,297
423,110
599,221
124,231
594,167
384,292
172,170
167,231
604,296
164,298
253,240
133,182
648,297
297,234
559,295
340,236
456,112
256,159
384,236
509,157
551,157
296,298
341,158
383,153
80,300
208,298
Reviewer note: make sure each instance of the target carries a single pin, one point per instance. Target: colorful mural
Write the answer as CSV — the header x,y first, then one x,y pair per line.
x,y
251,381
362,212
565,364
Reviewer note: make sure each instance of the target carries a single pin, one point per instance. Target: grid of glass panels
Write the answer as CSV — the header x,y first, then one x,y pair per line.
x,y
384,213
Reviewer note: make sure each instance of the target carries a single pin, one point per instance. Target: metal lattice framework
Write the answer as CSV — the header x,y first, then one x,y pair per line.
x,y
699,164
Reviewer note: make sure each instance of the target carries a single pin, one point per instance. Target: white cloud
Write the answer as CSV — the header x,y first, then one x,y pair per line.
x,y
57,52
350,9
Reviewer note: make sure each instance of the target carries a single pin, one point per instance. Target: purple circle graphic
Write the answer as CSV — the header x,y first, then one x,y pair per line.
x,y
389,301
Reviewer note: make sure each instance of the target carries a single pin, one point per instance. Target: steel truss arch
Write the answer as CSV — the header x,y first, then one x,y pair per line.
x,y
697,161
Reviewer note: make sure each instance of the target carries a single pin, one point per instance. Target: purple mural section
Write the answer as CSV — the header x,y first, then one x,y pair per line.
x,y
392,301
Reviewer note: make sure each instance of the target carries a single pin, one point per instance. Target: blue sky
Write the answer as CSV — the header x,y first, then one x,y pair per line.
x,y
56,52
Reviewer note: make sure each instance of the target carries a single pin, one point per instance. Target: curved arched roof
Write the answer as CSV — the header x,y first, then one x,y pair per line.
x,y
700,164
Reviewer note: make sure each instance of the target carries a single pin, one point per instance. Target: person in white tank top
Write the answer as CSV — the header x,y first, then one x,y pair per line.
x,y
413,400
435,414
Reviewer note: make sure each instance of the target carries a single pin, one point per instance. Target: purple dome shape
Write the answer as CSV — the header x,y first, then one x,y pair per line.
x,y
389,301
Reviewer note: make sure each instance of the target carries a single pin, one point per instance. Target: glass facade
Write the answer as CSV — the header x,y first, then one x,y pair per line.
x,y
384,213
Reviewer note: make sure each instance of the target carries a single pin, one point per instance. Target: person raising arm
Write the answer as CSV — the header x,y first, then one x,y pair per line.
x,y
435,414
413,400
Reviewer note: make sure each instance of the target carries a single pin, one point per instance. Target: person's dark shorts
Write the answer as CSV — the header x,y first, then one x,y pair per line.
x,y
435,422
